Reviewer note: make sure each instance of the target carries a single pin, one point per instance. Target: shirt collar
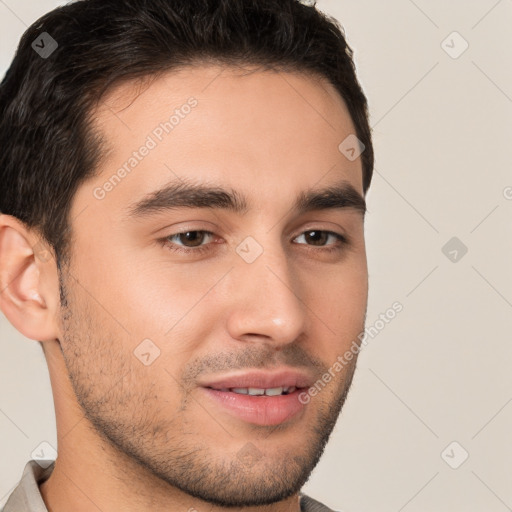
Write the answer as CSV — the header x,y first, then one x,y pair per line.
x,y
26,497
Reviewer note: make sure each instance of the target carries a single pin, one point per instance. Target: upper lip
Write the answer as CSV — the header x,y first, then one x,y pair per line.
x,y
261,379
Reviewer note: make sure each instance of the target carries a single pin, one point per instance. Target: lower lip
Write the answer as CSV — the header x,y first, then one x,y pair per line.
x,y
259,410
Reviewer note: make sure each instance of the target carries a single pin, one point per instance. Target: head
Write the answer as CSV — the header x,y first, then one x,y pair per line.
x,y
181,217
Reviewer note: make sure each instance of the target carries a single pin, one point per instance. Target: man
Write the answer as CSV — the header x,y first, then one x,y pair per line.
x,y
182,230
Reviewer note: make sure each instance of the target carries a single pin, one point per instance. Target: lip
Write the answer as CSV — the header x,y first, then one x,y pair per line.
x,y
261,379
258,410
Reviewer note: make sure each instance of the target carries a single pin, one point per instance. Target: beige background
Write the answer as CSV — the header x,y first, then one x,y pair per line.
x,y
440,371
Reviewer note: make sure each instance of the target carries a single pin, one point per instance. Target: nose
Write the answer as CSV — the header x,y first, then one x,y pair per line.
x,y
265,304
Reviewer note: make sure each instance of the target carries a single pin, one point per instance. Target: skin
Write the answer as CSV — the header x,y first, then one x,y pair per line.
x,y
133,437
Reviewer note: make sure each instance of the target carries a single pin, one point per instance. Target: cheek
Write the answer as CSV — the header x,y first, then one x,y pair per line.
x,y
114,369
339,290
175,307
337,301
146,297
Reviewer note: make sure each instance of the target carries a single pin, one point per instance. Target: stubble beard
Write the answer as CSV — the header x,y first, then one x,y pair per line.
x,y
165,449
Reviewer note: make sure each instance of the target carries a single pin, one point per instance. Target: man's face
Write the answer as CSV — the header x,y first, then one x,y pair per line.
x,y
163,334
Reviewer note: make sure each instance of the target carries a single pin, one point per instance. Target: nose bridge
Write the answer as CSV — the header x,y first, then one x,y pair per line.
x,y
265,299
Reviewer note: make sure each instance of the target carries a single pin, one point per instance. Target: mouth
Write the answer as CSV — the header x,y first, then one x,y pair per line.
x,y
278,391
258,397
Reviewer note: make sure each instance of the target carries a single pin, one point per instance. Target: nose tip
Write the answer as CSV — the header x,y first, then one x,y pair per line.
x,y
266,307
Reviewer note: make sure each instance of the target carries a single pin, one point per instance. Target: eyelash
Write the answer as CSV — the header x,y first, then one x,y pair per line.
x,y
342,242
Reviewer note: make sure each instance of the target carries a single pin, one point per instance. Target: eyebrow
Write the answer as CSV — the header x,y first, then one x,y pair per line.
x,y
187,194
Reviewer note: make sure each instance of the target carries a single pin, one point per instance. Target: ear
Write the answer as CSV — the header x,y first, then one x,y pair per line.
x,y
29,285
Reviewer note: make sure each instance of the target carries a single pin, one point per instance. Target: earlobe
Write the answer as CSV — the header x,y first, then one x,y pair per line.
x,y
25,297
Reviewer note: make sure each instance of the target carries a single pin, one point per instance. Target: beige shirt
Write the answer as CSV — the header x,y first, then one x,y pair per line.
x,y
26,497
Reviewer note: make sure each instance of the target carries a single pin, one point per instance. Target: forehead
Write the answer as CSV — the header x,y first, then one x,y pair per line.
x,y
248,129
229,85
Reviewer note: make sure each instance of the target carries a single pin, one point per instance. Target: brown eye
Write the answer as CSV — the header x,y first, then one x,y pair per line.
x,y
191,238
320,238
316,237
188,242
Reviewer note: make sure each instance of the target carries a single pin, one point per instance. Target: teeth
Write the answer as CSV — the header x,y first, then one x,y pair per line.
x,y
274,391
256,391
240,391
261,391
